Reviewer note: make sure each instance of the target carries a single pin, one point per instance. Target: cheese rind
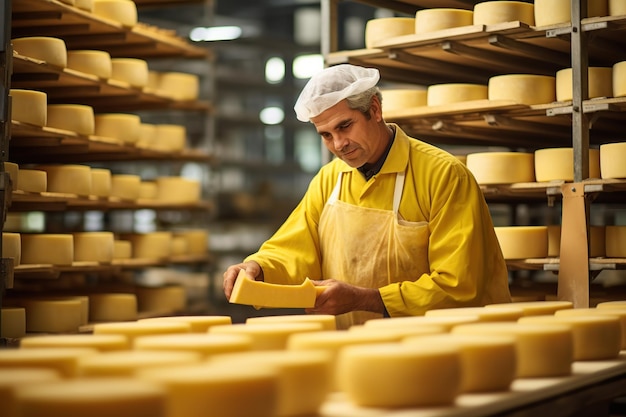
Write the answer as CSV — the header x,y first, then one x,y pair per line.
x,y
264,294
493,12
521,242
617,312
204,344
483,314
198,324
522,88
13,322
125,363
444,94
431,20
122,249
617,8
597,241
615,241
552,164
169,137
122,11
272,336
125,186
93,62
100,182
151,245
55,249
102,342
177,190
501,167
93,246
600,83
112,307
73,117
12,247
121,126
29,106
377,30
134,329
612,156
328,321
51,50
68,179
179,85
399,99
62,360
536,308
164,300
32,181
130,70
551,12
11,379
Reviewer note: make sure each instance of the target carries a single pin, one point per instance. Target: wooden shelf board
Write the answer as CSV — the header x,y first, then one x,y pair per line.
x,y
552,264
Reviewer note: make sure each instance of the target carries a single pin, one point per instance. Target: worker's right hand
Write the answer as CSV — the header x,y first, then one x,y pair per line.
x,y
253,270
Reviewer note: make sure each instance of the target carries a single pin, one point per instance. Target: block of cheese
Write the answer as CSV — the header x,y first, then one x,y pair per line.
x,y
151,245
204,344
167,299
267,336
197,240
501,167
32,181
522,88
44,248
199,324
100,182
595,337
600,83
493,12
62,360
101,342
12,247
48,49
122,249
615,241
68,179
488,362
12,322
612,156
431,20
381,29
94,397
130,70
125,186
617,8
133,329
112,307
29,106
93,247
552,164
616,312
177,190
483,314
147,190
328,321
552,12
169,137
521,242
406,98
121,11
416,375
93,62
444,94
74,117
597,241
448,322
122,126
536,308
12,378
12,169
179,85
125,363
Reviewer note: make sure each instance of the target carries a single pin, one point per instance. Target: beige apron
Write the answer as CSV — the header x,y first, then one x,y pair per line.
x,y
370,247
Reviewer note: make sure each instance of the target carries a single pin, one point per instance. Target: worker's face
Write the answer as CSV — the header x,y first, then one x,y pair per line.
x,y
350,135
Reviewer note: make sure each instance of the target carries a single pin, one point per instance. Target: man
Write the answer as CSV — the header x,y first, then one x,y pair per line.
x,y
392,226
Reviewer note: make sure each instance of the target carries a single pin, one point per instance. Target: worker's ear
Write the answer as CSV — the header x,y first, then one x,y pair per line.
x,y
376,109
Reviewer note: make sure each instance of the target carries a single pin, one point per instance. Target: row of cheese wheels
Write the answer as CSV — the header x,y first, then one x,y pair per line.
x,y
30,106
86,181
528,89
118,11
541,13
206,362
132,71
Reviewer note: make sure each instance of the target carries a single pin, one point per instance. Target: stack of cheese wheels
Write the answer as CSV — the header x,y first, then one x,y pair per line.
x,y
597,241
197,240
432,20
125,363
617,8
501,167
169,138
444,94
600,83
68,179
12,322
51,315
493,12
92,62
125,186
377,30
73,117
121,11
522,88
12,379
130,70
521,242
616,241
267,336
179,85
122,249
102,342
121,126
112,307
552,12
150,245
44,248
557,164
177,190
198,324
29,106
100,182
619,313
63,361
147,190
93,247
167,299
403,98
32,181
12,247
204,344
50,50
612,156
327,321
483,314
133,329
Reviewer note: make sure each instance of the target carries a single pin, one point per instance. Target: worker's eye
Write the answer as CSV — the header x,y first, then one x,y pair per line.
x,y
345,125
326,136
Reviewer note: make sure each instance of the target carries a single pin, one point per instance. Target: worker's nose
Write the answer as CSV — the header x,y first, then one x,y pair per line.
x,y
339,142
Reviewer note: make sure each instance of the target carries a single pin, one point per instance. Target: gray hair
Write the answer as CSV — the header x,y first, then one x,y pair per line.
x,y
363,101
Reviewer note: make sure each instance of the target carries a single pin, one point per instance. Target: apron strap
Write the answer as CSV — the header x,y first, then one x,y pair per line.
x,y
397,193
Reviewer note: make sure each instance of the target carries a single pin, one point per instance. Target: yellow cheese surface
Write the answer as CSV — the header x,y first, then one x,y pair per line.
x,y
112,307
615,241
73,117
13,378
32,181
267,336
12,169
167,299
612,156
122,363
121,11
102,342
177,190
617,8
69,179
493,12
600,83
151,245
100,182
597,241
617,312
431,20
64,361
12,247
501,167
121,126
400,99
130,70
169,137
377,30
56,249
93,247
125,186
448,322
483,314
29,106
521,242
134,329
551,12
444,94
179,85
535,308
13,322
197,240
147,190
52,315
202,343
93,62
122,249
552,164
48,49
522,88
327,321
198,324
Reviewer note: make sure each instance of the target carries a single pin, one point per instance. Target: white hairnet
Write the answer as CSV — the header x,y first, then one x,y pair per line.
x,y
330,86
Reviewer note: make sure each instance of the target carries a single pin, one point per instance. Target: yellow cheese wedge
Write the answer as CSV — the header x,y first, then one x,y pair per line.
x,y
12,169
122,249
29,106
93,62
12,378
93,246
62,360
448,322
125,127
493,12
483,314
177,190
536,308
399,99
199,324
12,247
125,186
521,242
112,307
169,137
444,94
134,329
600,83
616,241
612,160
553,164
204,344
69,179
551,12
501,167
147,190
55,249
32,181
197,240
48,49
163,300
13,322
102,342
431,20
522,88
130,70
377,30
121,11
179,85
151,245
125,363
597,241
100,182
267,336
616,312
73,117
617,8
328,321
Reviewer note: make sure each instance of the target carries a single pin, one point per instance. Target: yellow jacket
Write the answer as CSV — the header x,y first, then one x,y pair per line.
x,y
466,264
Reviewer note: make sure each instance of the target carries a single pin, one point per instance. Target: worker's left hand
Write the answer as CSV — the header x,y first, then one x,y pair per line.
x,y
340,297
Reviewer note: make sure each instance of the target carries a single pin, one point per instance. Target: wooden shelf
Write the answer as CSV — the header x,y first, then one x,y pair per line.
x,y
552,264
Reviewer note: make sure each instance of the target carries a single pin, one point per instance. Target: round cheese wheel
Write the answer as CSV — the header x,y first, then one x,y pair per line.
x,y
55,249
112,307
100,182
13,323
617,8
483,314
197,240
97,63
50,50
178,246
153,80
617,304
93,246
12,169
554,164
121,11
536,308
122,249
147,135
179,85
52,315
328,321
431,20
600,83
84,5
74,117
169,137
32,181
448,322
12,247
28,106
125,186
444,94
11,379
267,336
151,245
69,179
522,88
400,333
551,12
615,241
130,70
616,312
177,190
147,190
501,167
612,156
62,360
133,329
493,12
377,30
102,342
124,363
399,99
125,127
521,242
416,375
597,241
199,324
167,299
202,343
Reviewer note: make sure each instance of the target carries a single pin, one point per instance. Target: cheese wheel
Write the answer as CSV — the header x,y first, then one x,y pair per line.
x,y
153,79
52,315
554,164
415,375
431,20
69,179
536,308
147,190
93,247
198,324
86,5
73,117
501,167
597,241
522,88
123,363
167,299
612,156
121,11
595,337
328,321
447,322
102,342
151,245
197,240
615,241
377,30
147,136
397,334
616,312
100,182
264,294
32,181
444,94
521,242
50,50
617,304
178,246
125,186
130,70
202,343
55,249
267,336
133,329
64,361
122,249
493,12
617,8
12,378
177,190
399,99
125,127
12,323
179,85
552,12
600,83
112,307
97,63
28,106
169,137
120,397
12,169
483,314
12,247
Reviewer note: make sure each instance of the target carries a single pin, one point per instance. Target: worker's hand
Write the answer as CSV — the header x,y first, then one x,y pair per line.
x,y
253,270
340,297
